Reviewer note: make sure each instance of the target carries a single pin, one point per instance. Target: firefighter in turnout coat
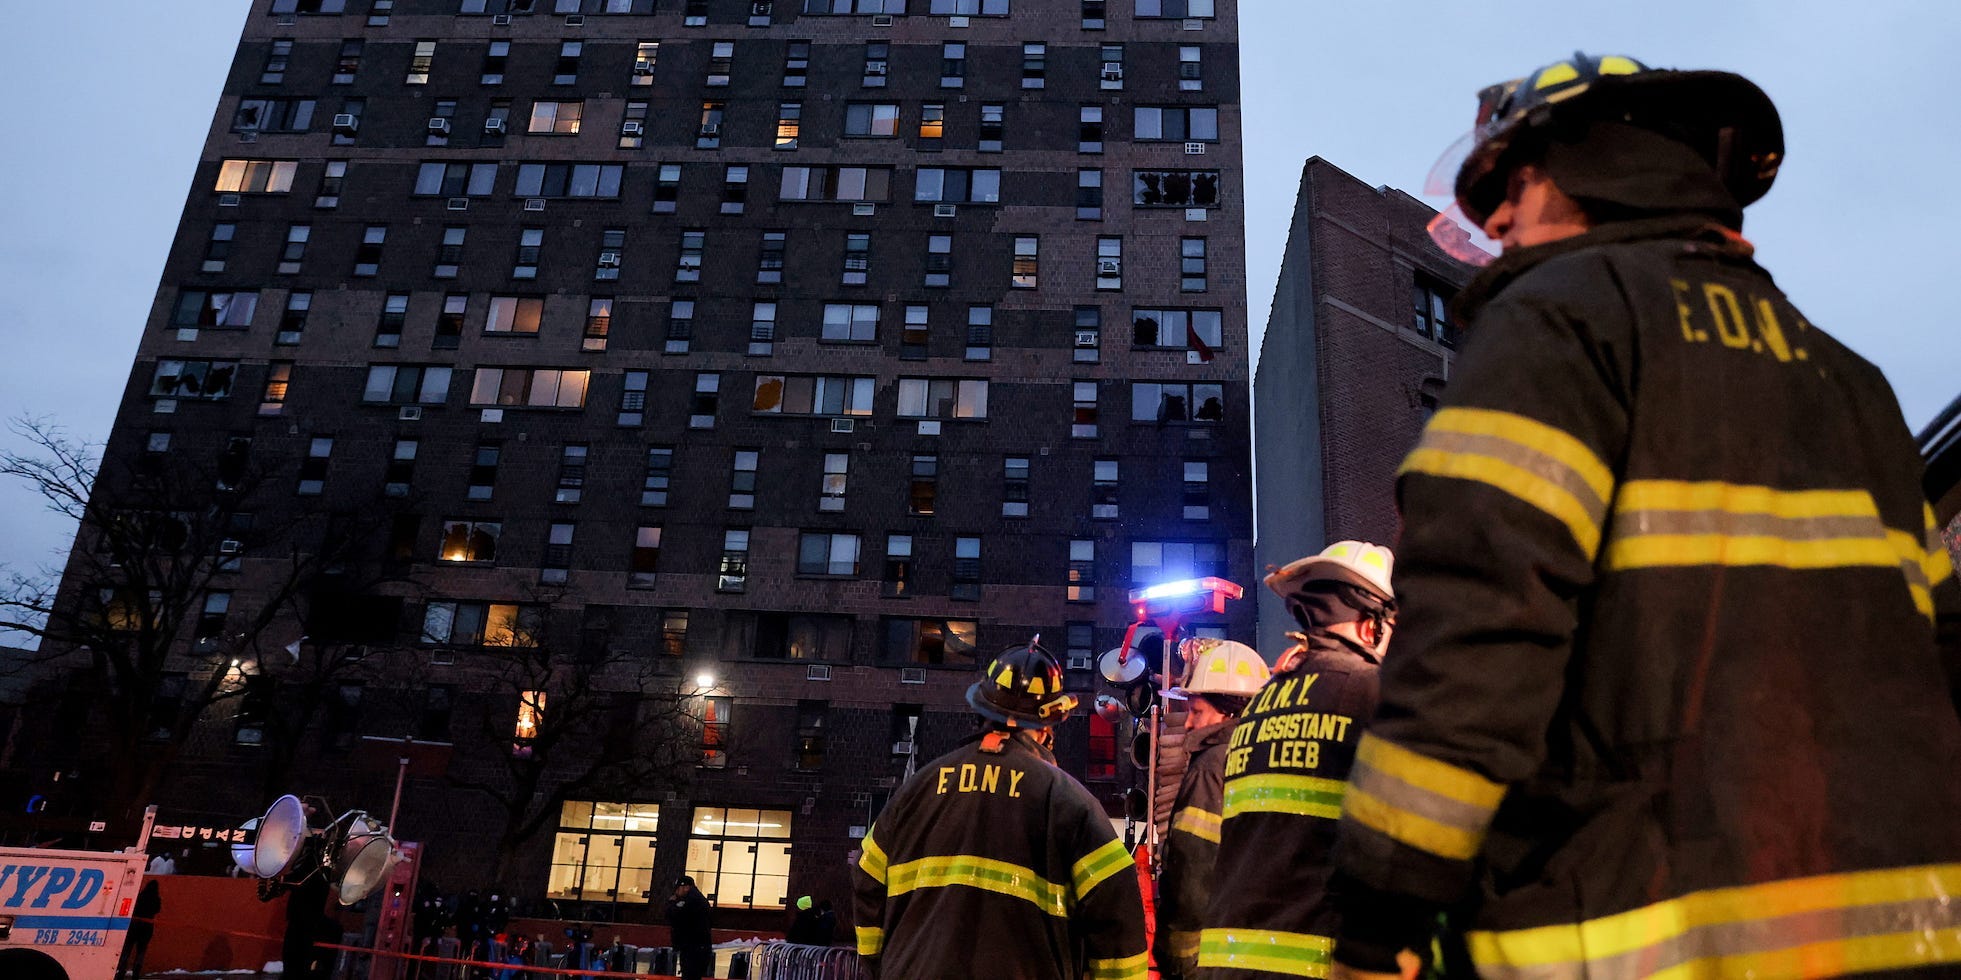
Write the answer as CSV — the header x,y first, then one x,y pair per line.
x,y
1222,677
1668,695
1271,915
990,861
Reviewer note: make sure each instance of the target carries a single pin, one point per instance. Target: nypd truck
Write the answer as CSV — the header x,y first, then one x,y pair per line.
x,y
64,914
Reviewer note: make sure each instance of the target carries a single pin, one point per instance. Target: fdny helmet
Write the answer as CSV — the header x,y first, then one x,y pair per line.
x,y
1724,118
1022,689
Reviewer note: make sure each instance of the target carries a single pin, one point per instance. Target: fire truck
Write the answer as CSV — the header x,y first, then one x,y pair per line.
x,y
64,914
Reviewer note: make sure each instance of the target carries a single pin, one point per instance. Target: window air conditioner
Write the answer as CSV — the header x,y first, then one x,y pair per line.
x,y
458,204
946,210
410,413
817,672
493,126
882,20
633,127
501,20
1188,69
642,66
230,546
439,125
843,425
901,748
1195,148
1112,71
609,260
1109,267
251,136
711,129
864,209
534,204
575,20
1081,661
912,675
346,120
228,200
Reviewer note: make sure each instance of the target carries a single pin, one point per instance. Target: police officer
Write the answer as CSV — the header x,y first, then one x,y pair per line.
x,y
1285,765
1668,693
991,861
1221,677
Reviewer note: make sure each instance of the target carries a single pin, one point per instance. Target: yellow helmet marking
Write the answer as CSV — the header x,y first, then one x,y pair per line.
x,y
1614,64
1555,75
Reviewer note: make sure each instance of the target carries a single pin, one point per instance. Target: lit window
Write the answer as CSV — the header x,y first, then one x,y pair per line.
x,y
557,118
740,859
942,398
604,852
470,540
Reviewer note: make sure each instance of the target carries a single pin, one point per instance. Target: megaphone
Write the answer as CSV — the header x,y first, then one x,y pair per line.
x,y
275,839
364,856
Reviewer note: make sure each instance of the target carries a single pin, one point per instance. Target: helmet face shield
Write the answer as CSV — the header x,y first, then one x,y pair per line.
x,y
1459,230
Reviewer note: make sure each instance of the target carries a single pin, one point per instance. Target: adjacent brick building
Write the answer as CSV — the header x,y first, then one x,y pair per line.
x,y
1357,350
785,358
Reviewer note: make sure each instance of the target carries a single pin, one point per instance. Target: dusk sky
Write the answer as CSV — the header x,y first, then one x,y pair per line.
x,y
106,136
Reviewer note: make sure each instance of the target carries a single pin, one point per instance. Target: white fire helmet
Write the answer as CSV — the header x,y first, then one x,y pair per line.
x,y
1356,562
1220,667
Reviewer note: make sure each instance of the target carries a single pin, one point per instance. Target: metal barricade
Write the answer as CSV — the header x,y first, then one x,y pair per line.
x,y
784,961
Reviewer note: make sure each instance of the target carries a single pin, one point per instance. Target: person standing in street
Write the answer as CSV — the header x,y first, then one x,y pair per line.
x,y
1286,769
990,861
1668,694
1222,676
142,926
688,921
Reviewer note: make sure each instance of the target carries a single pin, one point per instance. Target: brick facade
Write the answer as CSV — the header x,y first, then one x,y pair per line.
x,y
1345,370
1036,356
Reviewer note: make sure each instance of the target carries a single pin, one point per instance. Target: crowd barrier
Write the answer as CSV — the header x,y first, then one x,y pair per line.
x,y
445,959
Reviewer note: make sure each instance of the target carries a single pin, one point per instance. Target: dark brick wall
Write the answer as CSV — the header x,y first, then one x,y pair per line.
x,y
1024,560
1342,371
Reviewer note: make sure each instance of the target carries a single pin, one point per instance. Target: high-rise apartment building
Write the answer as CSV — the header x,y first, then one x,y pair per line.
x,y
1356,353
776,361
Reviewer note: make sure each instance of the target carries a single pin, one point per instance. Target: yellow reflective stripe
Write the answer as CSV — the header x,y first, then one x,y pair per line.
x,y
1098,866
1419,801
1291,954
1202,824
1673,524
1530,460
1122,968
1309,796
1828,924
871,940
986,874
872,861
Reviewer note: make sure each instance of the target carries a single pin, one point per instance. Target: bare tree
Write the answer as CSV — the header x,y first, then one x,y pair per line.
x,y
569,716
159,535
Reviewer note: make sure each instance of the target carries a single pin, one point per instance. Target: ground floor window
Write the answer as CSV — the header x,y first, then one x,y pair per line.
x,y
605,852
740,858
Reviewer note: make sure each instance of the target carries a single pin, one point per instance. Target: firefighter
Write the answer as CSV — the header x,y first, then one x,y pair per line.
x,y
1668,694
1285,766
991,861
1222,677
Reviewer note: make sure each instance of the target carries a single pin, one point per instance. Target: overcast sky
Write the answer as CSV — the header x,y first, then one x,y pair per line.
x,y
1859,230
